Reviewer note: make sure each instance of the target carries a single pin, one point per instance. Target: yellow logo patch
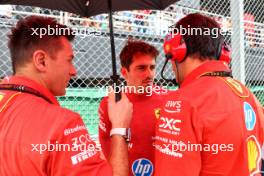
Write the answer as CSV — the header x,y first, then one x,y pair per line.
x,y
1,97
157,113
236,87
235,84
254,155
167,48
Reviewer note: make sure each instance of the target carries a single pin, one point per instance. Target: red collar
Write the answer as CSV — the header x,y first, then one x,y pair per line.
x,y
19,80
206,67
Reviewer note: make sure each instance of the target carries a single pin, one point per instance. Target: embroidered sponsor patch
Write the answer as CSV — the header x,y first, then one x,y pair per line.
x,y
1,96
142,167
250,116
157,113
254,155
82,156
173,106
236,87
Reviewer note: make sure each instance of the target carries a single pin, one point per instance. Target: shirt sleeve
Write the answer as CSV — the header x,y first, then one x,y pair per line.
x,y
76,153
104,127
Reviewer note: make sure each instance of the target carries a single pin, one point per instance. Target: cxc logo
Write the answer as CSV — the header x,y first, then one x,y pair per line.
x,y
169,123
142,167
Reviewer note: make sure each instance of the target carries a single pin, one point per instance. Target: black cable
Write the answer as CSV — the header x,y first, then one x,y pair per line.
x,y
24,89
173,81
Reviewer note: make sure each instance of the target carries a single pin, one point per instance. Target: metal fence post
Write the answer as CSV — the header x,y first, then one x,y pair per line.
x,y
238,40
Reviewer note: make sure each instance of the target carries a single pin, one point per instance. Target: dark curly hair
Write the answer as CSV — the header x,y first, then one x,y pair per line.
x,y
133,47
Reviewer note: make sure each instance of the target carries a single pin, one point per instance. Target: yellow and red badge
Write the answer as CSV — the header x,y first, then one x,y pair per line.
x,y
157,112
1,96
254,155
236,87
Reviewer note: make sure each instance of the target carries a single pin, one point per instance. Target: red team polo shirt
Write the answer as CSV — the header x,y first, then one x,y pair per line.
x,y
42,138
141,151
211,126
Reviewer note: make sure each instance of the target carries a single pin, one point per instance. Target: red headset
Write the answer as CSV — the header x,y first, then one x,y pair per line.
x,y
176,49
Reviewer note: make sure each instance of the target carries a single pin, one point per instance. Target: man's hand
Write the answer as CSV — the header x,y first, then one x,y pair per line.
x,y
120,113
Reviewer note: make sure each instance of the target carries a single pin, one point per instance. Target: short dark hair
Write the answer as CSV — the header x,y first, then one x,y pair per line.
x,y
23,42
133,47
205,46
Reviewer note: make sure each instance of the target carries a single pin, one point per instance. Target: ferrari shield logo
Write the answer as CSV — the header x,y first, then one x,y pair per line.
x,y
157,113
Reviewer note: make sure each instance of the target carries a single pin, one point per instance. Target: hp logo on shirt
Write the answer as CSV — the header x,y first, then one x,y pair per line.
x,y
142,167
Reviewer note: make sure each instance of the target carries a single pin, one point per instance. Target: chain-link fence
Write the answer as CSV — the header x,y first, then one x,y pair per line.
x,y
93,53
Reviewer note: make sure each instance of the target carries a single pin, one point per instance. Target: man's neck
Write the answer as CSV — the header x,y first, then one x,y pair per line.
x,y
30,75
190,64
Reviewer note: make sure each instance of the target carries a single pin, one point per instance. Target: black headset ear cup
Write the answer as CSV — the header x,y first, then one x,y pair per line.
x,y
174,47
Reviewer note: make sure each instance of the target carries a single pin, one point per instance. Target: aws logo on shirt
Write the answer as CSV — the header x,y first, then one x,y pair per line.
x,y
173,106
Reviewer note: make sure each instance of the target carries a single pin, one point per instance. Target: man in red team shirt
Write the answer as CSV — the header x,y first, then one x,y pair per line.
x,y
138,61
213,125
37,136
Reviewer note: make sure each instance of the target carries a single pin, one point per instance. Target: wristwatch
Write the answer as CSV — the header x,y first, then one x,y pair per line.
x,y
124,132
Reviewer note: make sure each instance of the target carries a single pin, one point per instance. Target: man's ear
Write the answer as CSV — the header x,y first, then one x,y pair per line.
x,y
40,60
124,72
